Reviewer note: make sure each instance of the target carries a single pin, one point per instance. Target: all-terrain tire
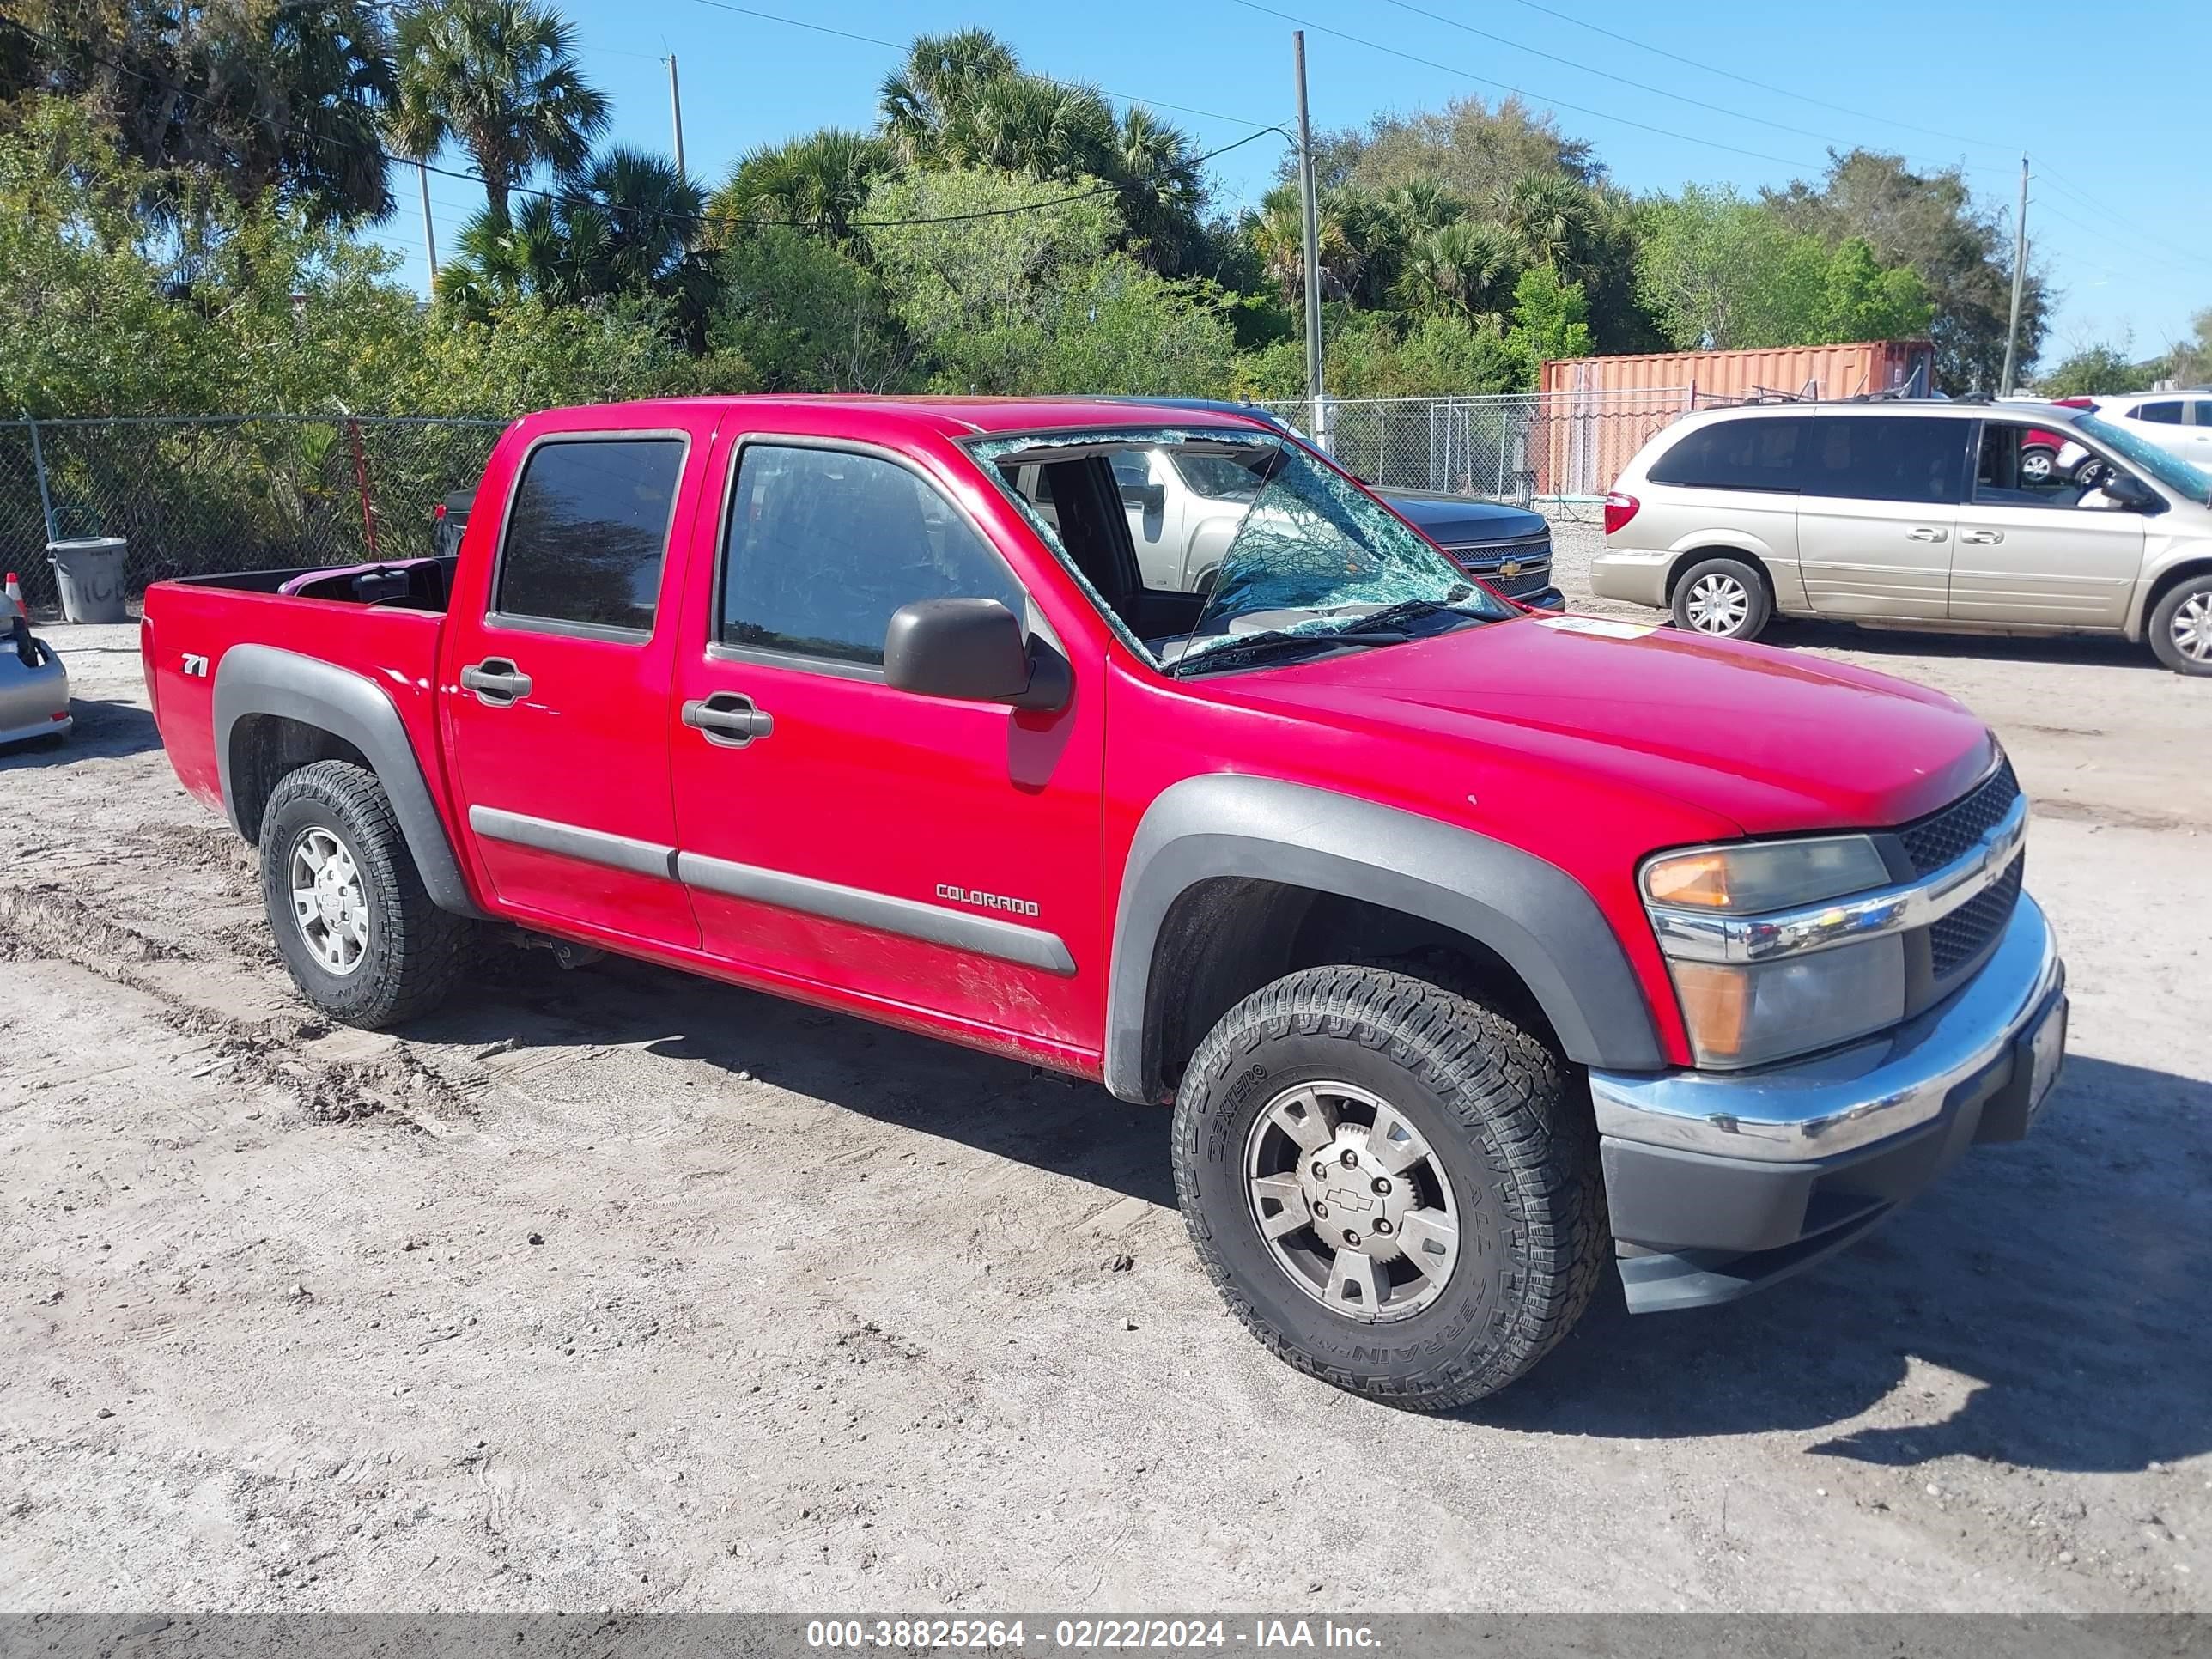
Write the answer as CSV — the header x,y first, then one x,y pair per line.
x,y
1722,598
414,951
1506,1119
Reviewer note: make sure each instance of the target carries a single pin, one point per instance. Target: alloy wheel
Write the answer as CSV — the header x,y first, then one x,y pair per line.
x,y
2192,627
1352,1202
1718,604
329,900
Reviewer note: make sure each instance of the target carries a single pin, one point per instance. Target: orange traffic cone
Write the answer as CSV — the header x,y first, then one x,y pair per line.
x,y
15,597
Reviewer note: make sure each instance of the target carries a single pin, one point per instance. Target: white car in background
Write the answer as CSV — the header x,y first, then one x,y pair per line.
x,y
2179,423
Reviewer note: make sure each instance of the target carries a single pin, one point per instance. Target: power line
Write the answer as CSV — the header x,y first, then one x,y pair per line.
x,y
572,199
1522,92
1764,86
901,46
2140,251
1586,69
2125,226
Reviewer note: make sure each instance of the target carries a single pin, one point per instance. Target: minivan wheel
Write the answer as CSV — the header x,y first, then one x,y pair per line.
x,y
2181,626
1395,1187
1725,598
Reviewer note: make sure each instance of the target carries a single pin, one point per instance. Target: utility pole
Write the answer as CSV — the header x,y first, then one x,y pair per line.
x,y
2019,278
676,113
1310,198
429,234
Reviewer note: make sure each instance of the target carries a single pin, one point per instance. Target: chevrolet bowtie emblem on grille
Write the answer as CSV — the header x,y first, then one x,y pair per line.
x,y
1509,569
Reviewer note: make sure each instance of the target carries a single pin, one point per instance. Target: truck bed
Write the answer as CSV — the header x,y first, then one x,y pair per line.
x,y
387,629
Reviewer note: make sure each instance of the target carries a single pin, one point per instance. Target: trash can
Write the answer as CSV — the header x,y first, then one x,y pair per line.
x,y
89,573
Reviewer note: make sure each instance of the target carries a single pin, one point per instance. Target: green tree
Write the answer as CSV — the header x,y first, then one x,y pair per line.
x,y
817,183
1931,222
265,97
1550,317
936,86
1865,302
1468,147
498,79
1461,270
2097,371
807,316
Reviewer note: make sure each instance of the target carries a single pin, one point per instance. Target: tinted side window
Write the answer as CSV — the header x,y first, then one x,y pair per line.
x,y
2164,414
1883,458
2200,412
1746,454
823,545
588,532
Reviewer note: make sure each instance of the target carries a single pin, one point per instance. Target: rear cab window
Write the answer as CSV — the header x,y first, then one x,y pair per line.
x,y
587,535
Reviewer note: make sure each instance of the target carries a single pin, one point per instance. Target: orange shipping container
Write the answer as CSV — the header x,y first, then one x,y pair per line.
x,y
1595,412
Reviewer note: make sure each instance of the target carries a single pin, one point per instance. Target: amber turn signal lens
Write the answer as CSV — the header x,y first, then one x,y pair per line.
x,y
1693,879
1715,1006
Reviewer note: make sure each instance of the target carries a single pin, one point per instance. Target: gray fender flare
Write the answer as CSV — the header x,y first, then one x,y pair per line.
x,y
1540,920
260,679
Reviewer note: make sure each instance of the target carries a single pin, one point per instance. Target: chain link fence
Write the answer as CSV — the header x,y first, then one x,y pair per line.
x,y
193,496
1522,447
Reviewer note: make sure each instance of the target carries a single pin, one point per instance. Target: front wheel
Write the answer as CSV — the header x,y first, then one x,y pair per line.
x,y
1395,1187
1724,599
362,938
2181,626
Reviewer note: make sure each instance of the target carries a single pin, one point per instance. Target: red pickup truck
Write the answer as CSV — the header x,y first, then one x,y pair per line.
x,y
1473,946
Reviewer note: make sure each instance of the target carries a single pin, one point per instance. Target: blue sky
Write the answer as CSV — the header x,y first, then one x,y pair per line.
x,y
2120,213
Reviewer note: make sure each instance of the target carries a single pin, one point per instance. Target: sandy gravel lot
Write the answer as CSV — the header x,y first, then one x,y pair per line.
x,y
610,1288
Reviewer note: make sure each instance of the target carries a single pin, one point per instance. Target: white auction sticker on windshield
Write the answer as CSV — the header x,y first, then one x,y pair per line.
x,y
1599,626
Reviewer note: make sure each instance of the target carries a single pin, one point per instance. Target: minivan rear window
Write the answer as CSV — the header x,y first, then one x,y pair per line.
x,y
1758,453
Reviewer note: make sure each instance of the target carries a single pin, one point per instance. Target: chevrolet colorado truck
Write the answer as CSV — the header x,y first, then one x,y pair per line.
x,y
1474,947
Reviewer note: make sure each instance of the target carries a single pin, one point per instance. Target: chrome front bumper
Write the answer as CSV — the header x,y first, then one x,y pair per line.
x,y
1866,1092
1719,1184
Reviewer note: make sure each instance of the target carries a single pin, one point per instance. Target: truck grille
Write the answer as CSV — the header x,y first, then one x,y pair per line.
x,y
1943,836
1961,936
1531,556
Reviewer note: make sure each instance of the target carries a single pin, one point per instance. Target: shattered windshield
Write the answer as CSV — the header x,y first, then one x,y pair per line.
x,y
1246,546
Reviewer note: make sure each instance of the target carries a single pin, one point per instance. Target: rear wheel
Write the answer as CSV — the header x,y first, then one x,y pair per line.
x,y
2181,626
2037,464
1725,598
352,921
1395,1187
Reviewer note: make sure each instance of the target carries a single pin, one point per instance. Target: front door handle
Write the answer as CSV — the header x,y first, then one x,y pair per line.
x,y
497,683
1926,533
1981,537
728,719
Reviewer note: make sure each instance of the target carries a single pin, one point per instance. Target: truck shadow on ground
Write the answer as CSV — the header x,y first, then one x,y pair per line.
x,y
103,729
2060,1279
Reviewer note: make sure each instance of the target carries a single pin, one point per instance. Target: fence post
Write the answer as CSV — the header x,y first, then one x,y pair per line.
x,y
45,493
360,483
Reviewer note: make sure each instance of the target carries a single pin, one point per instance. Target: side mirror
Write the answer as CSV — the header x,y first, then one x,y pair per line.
x,y
975,649
1152,497
2125,489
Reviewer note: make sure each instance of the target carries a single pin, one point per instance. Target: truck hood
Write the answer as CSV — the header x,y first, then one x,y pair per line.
x,y
1452,520
1774,741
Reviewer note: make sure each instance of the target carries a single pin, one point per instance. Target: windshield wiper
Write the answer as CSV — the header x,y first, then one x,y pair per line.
x,y
1267,644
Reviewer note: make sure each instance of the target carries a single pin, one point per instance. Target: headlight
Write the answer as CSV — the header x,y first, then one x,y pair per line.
x,y
1761,971
1773,875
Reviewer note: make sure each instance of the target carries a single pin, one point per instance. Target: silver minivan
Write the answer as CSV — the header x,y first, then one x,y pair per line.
x,y
1914,514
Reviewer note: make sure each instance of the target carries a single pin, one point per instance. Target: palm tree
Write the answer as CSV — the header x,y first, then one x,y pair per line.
x,y
499,79
1462,270
939,81
1553,217
1161,189
819,183
626,228
1031,124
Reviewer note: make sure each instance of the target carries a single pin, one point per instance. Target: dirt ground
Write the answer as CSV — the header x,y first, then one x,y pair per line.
x,y
611,1289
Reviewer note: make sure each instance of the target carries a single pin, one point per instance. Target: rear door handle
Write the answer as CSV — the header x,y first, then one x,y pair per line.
x,y
497,682
728,719
1981,537
1926,533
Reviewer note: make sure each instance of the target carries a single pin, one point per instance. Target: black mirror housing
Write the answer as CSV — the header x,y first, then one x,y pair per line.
x,y
973,649
2125,489
1152,497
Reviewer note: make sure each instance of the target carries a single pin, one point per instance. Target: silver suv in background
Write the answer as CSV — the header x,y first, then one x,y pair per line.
x,y
1913,514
